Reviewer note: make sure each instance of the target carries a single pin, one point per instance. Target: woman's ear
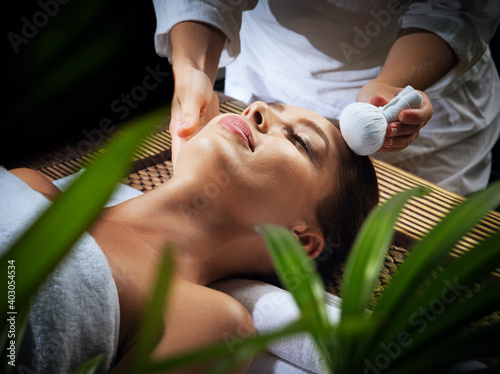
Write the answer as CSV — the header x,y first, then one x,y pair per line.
x,y
311,239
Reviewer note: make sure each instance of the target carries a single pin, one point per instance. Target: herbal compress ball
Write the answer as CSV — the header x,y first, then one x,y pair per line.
x,y
364,125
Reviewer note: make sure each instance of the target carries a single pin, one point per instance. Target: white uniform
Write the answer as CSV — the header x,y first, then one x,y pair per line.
x,y
317,54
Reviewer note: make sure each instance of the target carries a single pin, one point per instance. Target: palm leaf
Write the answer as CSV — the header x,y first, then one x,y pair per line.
x,y
152,321
246,349
425,256
90,366
296,272
481,343
447,290
362,271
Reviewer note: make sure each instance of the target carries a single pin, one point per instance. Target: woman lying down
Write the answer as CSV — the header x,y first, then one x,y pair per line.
x,y
275,164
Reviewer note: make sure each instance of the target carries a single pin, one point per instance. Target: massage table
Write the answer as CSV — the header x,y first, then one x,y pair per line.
x,y
152,167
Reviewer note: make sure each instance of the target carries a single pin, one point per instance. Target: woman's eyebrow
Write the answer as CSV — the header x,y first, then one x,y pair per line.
x,y
317,128
280,107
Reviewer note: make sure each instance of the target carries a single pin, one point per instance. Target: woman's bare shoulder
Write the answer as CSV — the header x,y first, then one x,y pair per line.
x,y
196,316
224,311
37,181
207,317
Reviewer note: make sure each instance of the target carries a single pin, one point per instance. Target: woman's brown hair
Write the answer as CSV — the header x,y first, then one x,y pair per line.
x,y
341,214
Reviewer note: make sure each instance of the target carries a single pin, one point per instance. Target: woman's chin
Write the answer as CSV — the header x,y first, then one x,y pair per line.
x,y
207,151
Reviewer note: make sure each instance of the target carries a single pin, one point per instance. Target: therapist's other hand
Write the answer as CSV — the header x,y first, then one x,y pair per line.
x,y
399,134
194,104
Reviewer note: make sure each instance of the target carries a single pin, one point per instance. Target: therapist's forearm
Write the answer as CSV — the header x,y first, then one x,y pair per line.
x,y
196,45
417,58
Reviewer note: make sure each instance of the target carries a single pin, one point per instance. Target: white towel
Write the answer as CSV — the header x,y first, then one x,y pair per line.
x,y
75,314
267,363
273,308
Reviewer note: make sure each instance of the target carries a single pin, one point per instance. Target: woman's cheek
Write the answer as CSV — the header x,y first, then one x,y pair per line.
x,y
287,167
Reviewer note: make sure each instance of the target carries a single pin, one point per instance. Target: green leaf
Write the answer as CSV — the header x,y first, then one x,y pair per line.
x,y
414,272
152,321
481,343
368,253
434,247
245,350
249,349
363,270
48,239
446,290
297,273
90,366
426,254
439,331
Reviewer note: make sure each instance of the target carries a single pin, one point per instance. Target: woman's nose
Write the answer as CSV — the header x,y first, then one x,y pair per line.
x,y
258,115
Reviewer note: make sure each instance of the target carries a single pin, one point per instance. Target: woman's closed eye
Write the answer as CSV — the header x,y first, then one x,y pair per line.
x,y
298,139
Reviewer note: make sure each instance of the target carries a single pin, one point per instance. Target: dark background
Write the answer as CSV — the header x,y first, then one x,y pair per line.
x,y
495,51
65,78
83,57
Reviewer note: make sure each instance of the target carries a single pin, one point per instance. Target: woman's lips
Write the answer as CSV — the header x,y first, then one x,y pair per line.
x,y
240,128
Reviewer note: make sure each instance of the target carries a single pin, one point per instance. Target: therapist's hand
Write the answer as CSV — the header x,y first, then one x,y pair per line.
x,y
399,134
196,50
194,104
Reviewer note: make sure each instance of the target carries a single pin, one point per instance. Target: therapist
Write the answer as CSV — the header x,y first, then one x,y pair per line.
x,y
324,55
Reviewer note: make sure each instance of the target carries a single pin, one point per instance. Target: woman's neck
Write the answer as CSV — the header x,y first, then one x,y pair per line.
x,y
209,244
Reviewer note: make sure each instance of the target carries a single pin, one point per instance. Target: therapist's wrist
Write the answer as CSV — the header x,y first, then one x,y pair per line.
x,y
196,46
376,89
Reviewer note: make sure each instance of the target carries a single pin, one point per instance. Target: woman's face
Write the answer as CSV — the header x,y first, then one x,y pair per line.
x,y
273,163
